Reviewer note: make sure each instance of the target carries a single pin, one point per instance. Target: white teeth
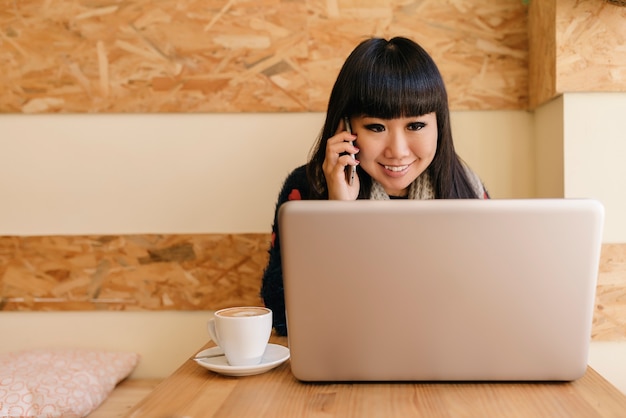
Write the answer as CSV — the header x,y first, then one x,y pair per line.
x,y
396,168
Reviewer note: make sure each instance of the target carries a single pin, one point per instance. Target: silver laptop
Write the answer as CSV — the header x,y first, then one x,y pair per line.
x,y
440,290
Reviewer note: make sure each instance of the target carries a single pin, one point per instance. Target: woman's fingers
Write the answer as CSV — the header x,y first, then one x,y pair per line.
x,y
340,144
340,151
338,164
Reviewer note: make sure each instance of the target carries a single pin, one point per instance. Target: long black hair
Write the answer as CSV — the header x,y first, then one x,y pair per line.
x,y
389,79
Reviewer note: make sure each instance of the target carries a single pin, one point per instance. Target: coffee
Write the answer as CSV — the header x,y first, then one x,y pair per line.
x,y
242,312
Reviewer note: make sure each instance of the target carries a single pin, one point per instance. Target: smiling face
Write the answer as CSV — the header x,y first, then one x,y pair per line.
x,y
395,152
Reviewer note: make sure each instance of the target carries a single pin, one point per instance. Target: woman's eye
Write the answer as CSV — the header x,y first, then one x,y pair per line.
x,y
375,127
416,126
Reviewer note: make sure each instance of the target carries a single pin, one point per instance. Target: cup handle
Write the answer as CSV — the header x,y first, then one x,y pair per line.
x,y
212,333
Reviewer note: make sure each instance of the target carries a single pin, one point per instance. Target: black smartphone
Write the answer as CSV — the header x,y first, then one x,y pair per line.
x,y
350,169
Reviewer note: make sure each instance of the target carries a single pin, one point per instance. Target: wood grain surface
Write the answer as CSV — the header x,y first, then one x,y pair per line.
x,y
194,391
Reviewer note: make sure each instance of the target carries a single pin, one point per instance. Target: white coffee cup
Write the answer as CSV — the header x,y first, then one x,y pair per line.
x,y
242,332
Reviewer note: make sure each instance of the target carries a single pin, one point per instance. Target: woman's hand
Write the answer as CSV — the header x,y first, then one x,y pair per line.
x,y
338,162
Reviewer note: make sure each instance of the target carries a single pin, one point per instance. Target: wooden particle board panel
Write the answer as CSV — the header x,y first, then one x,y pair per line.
x,y
243,56
191,272
575,46
591,46
542,59
131,272
610,310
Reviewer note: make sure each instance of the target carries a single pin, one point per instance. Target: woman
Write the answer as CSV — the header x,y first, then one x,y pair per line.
x,y
388,117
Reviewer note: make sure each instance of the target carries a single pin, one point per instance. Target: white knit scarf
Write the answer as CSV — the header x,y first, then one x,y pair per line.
x,y
420,189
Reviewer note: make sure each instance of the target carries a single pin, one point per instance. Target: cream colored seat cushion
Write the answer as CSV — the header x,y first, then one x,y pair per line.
x,y
60,382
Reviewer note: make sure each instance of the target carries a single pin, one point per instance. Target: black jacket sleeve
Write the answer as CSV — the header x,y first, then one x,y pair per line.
x,y
295,187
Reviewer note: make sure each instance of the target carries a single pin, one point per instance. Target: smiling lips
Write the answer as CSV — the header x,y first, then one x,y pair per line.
x,y
396,168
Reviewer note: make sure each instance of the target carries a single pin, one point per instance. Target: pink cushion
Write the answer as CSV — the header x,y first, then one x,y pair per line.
x,y
60,382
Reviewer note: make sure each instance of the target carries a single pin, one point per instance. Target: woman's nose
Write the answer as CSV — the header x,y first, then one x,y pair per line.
x,y
397,145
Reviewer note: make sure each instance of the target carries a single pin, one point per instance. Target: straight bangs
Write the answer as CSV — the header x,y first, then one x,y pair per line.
x,y
392,86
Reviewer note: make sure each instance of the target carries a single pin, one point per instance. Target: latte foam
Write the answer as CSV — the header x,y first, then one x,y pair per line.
x,y
243,312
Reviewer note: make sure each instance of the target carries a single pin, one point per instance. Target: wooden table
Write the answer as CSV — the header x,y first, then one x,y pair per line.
x,y
193,391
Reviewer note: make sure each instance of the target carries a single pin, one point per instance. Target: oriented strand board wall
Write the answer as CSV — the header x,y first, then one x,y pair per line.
x,y
575,46
542,52
243,55
190,272
591,46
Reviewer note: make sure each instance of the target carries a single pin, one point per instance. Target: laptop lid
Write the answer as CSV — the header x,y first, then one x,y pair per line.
x,y
440,289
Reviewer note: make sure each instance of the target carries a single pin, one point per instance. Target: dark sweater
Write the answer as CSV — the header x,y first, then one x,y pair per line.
x,y
295,187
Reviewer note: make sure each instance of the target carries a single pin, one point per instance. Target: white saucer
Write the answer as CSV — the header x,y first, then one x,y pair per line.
x,y
274,355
